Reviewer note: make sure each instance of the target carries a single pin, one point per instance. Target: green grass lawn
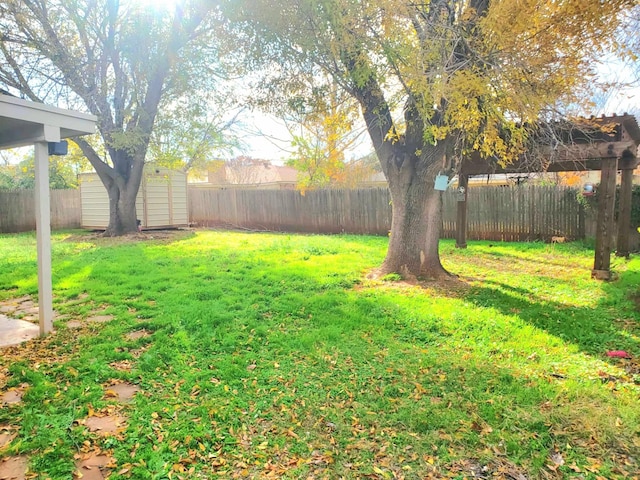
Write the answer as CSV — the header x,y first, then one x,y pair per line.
x,y
273,356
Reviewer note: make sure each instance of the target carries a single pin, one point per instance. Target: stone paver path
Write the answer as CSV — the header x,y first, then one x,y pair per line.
x,y
14,332
137,334
123,392
14,468
93,466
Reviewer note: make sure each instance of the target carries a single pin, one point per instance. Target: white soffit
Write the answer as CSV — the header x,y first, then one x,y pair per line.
x,y
23,123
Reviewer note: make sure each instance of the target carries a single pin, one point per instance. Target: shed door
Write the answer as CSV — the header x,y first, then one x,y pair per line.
x,y
157,201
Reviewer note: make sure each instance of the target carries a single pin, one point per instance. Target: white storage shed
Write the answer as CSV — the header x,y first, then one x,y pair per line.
x,y
161,200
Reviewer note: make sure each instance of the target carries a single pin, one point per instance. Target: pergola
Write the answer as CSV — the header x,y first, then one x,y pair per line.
x,y
612,149
28,123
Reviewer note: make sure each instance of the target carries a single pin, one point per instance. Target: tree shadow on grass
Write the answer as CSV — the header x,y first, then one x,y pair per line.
x,y
593,330
546,253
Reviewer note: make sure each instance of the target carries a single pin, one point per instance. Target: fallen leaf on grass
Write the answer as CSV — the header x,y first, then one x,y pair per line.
x,y
557,458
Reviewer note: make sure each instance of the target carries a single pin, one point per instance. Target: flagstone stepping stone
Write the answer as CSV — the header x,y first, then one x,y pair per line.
x,y
12,396
14,468
139,351
100,318
106,425
137,334
6,438
93,467
124,392
74,324
14,332
26,305
122,366
7,308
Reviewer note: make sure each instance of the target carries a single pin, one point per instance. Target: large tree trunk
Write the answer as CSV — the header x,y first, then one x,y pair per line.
x,y
122,186
410,164
122,183
415,231
416,223
122,209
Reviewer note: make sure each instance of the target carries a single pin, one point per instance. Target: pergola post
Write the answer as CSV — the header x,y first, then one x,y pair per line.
x,y
461,218
605,227
43,236
624,217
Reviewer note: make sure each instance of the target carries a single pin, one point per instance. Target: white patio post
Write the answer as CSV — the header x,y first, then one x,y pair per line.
x,y
43,235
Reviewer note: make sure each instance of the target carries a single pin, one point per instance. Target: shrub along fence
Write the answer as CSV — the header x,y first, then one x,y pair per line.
x,y
494,213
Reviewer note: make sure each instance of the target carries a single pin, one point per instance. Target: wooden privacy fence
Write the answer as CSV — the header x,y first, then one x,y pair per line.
x,y
365,211
494,213
17,210
522,213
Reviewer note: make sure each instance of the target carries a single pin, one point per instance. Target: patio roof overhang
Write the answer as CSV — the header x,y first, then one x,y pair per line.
x,y
29,123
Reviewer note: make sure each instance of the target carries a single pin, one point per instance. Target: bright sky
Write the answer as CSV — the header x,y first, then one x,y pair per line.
x,y
267,137
159,4
625,99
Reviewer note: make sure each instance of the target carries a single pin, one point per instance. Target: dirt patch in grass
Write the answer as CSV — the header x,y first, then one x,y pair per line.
x,y
450,287
122,365
14,395
635,298
496,469
100,318
151,235
6,438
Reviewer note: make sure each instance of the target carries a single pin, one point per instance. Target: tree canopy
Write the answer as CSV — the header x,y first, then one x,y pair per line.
x,y
117,59
436,80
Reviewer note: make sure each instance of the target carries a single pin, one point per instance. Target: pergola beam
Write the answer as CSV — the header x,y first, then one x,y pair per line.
x,y
606,152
